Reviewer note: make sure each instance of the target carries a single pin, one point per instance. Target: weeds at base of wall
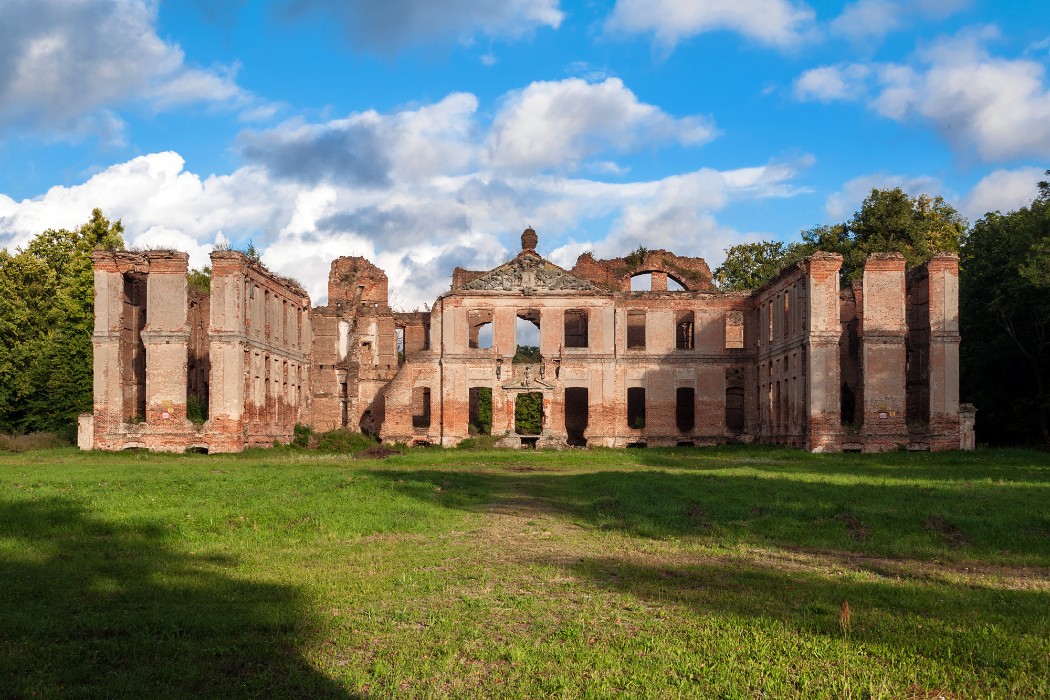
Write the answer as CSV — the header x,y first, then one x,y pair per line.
x,y
31,441
479,442
196,411
305,438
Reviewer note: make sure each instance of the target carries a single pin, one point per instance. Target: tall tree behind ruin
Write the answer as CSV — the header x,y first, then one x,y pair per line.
x,y
46,322
888,221
1004,303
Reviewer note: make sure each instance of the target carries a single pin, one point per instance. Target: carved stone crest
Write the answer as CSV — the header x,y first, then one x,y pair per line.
x,y
528,274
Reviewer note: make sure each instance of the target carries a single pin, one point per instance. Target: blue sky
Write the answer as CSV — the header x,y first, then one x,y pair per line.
x,y
425,134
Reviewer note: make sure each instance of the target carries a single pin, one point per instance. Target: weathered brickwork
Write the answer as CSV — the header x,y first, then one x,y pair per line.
x,y
799,362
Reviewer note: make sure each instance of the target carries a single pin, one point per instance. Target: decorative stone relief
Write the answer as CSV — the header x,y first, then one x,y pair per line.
x,y
529,274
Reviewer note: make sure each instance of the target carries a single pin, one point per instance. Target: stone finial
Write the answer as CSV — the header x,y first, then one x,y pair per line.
x,y
529,239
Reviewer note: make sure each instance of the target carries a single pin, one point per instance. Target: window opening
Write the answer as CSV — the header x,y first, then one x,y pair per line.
x,y
576,328
576,415
684,330
132,349
642,282
421,407
636,407
480,328
674,285
480,418
735,409
635,330
528,413
685,408
399,332
527,336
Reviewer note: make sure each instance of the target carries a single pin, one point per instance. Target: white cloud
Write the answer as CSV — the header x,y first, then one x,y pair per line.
x,y
874,19
841,205
830,83
1002,190
559,124
778,23
438,201
65,65
395,23
996,107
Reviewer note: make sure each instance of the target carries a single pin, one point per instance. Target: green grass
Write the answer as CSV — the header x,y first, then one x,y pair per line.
x,y
457,573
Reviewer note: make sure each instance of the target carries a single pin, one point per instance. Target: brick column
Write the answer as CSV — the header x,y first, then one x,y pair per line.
x,y
166,338
943,271
883,352
108,388
822,328
227,344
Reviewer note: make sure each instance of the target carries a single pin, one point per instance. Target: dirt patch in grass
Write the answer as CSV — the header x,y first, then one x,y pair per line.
x,y
378,452
947,531
854,527
527,468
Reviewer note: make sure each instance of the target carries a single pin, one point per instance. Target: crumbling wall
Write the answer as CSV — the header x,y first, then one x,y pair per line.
x,y
259,353
140,344
692,274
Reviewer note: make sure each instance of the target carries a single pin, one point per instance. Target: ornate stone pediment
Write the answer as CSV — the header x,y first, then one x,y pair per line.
x,y
528,274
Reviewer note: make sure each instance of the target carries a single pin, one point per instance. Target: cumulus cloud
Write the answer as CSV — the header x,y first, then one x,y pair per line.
x,y
391,24
777,23
841,205
64,64
1002,190
830,83
996,107
438,200
553,124
874,19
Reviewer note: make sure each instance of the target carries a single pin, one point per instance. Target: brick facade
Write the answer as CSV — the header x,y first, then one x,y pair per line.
x,y
798,362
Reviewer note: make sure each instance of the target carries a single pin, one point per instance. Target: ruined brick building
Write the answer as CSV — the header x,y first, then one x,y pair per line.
x,y
800,361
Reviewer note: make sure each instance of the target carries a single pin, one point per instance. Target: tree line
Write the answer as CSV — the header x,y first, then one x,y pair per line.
x,y
47,305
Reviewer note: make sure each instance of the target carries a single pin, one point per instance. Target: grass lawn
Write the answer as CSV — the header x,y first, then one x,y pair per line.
x,y
444,573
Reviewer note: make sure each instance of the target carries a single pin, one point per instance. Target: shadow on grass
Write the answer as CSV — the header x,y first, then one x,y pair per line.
x,y
999,637
779,506
104,609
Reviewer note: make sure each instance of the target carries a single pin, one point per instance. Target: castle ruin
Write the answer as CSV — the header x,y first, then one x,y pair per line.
x,y
801,361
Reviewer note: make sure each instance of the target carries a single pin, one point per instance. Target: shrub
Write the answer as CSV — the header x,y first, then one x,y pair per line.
x,y
302,434
345,441
196,410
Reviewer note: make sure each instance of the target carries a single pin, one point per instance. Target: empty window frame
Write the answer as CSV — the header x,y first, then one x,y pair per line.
x,y
480,327
636,407
684,330
527,336
421,407
735,409
528,413
480,410
576,415
576,328
685,408
636,330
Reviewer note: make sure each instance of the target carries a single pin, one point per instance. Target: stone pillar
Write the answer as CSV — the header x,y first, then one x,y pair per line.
x,y
883,352
943,274
822,328
108,387
227,344
166,338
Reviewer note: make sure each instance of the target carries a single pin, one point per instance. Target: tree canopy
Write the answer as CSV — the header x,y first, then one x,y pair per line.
x,y
888,221
1005,322
46,322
